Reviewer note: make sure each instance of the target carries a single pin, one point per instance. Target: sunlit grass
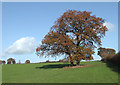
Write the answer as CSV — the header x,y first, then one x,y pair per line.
x,y
55,73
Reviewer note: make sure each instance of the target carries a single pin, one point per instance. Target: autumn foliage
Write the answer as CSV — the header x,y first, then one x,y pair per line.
x,y
106,53
11,61
27,61
74,34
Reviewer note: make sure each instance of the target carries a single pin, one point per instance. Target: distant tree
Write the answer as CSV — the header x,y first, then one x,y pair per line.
x,y
8,62
27,61
11,61
106,53
3,62
74,34
60,60
47,61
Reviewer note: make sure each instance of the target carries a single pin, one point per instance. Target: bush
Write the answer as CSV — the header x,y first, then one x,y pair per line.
x,y
107,57
103,60
115,59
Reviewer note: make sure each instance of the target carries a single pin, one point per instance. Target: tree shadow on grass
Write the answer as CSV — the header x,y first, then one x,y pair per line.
x,y
51,66
113,67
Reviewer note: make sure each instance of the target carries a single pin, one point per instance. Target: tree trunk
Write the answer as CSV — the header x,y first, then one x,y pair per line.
x,y
78,63
71,60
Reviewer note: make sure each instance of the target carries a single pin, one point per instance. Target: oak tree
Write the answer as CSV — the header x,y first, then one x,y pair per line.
x,y
75,34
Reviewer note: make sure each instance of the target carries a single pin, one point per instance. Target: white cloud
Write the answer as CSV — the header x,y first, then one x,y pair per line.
x,y
109,25
24,45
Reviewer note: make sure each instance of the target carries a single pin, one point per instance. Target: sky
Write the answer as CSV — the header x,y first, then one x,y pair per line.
x,y
24,25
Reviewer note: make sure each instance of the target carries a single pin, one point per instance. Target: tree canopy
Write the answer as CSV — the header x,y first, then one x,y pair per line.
x,y
106,52
11,61
75,34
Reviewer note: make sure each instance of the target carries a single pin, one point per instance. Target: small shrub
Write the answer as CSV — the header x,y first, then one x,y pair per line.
x,y
115,59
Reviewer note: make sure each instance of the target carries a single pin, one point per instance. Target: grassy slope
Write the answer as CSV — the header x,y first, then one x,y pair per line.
x,y
31,73
0,74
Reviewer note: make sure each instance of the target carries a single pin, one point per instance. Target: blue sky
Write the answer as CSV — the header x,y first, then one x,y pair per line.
x,y
30,22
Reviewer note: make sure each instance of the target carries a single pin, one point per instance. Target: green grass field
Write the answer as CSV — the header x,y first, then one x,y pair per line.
x,y
54,73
